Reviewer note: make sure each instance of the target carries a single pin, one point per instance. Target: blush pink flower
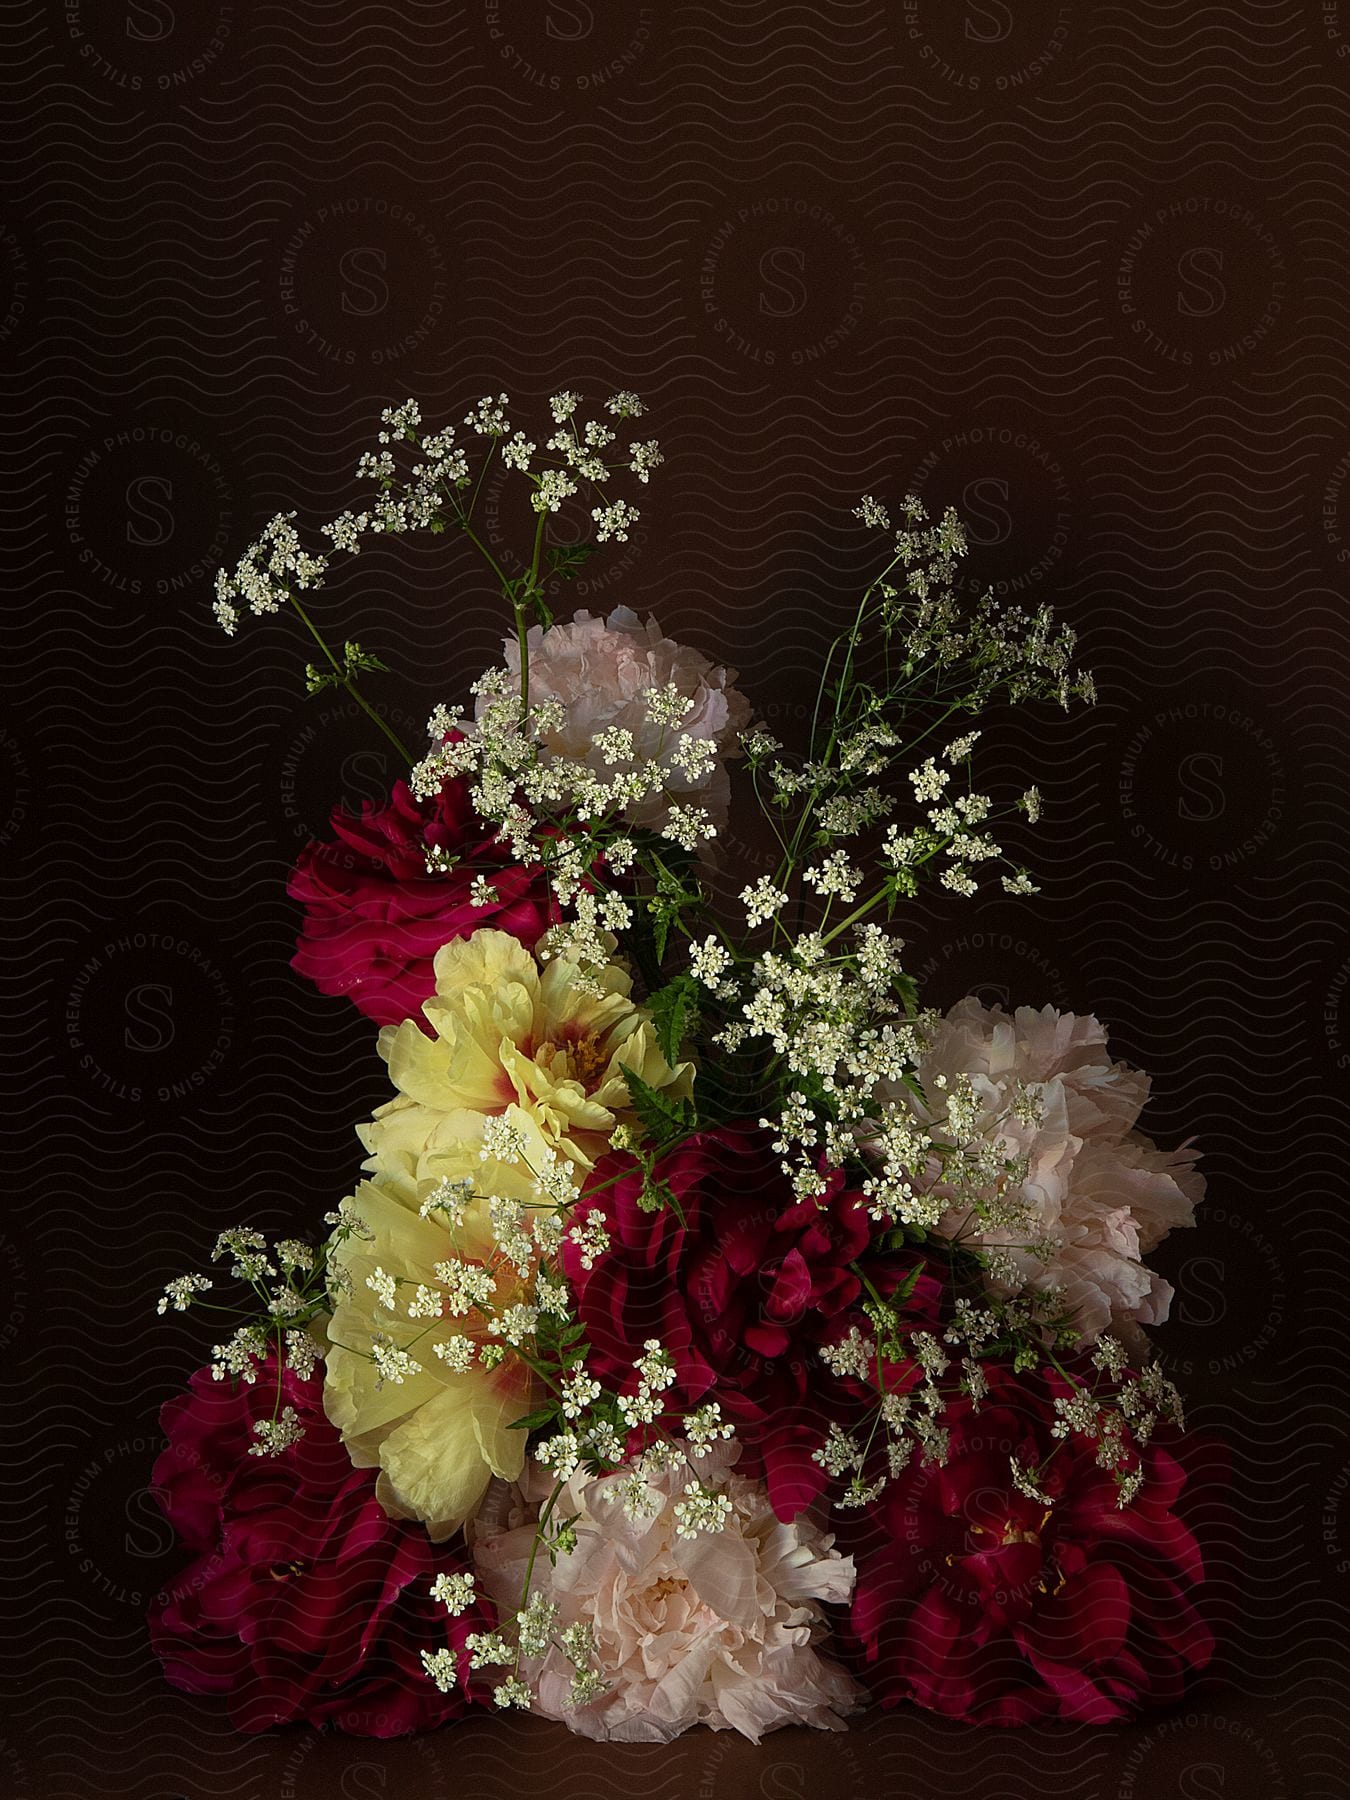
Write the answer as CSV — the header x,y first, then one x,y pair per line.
x,y
1101,1195
599,669
721,1629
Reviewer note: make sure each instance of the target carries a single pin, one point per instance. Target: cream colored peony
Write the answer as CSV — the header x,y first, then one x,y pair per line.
x,y
436,1427
720,1629
509,1034
599,668
1101,1194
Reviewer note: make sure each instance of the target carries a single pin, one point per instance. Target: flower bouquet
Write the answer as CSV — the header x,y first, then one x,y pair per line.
x,y
716,1335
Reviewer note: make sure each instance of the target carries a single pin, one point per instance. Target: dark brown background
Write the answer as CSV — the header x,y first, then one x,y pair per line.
x,y
1078,269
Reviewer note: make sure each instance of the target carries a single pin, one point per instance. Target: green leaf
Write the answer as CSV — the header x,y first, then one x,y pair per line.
x,y
674,1010
907,1286
535,1420
568,560
899,1237
672,897
908,990
356,658
661,917
661,1117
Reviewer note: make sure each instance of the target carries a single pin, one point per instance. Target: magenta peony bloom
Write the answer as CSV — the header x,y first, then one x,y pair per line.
x,y
307,1603
374,917
978,1601
740,1280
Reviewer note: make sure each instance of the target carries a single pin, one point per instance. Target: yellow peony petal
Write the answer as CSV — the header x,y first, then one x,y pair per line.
x,y
434,1462
487,959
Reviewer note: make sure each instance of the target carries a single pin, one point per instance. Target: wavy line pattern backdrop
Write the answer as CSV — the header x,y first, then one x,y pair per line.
x,y
1079,269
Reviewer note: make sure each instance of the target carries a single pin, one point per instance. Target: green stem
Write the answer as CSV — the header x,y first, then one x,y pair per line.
x,y
859,912
347,682
483,550
522,624
534,1552
478,485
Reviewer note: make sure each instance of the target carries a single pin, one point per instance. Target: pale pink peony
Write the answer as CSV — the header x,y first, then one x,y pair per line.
x,y
719,1629
599,668
1102,1193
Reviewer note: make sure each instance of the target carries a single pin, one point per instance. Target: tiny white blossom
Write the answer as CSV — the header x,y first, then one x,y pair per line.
x,y
688,826
385,1288
512,1692
710,961
614,520
645,458
449,1199
516,1324
392,1363
762,901
488,418
178,1293
487,1647
929,780
586,1685
701,1510
517,453
591,1237
706,1425
961,747
455,1592
836,876
441,1666
456,1353
578,1390
534,1625
560,1455
555,486
276,1435
502,1141
302,1353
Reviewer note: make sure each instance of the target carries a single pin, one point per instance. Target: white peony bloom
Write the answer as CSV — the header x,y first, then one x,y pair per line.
x,y
1099,1194
602,671
718,1629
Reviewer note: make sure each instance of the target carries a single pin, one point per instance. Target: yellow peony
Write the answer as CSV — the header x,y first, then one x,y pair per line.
x,y
510,1034
404,1382
419,1301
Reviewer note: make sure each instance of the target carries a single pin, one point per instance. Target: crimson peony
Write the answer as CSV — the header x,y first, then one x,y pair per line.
x,y
978,1601
374,917
739,1280
307,1603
